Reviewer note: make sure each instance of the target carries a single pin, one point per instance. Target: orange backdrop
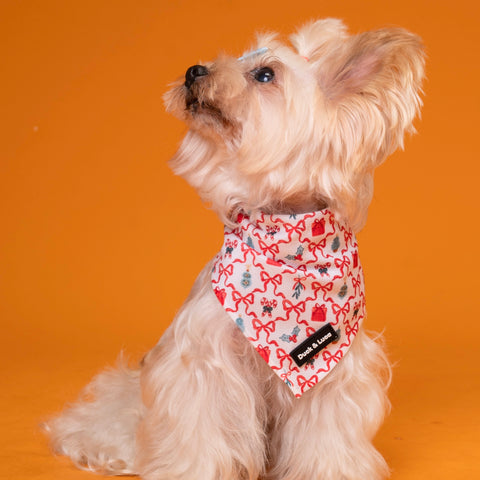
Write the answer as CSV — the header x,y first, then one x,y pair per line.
x,y
95,244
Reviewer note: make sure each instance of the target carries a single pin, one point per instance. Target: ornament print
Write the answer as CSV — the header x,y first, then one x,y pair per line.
x,y
246,282
281,278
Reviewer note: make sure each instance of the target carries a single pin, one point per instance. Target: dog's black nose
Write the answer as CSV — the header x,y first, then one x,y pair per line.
x,y
193,73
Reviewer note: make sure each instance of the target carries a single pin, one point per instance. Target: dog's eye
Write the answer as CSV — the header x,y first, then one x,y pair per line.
x,y
264,74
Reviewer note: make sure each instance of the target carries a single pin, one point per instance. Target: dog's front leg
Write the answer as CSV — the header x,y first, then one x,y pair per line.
x,y
327,433
205,413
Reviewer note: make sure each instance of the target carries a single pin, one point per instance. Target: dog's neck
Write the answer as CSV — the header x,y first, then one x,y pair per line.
x,y
284,208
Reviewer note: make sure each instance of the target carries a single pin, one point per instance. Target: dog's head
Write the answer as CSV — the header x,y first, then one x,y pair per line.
x,y
287,130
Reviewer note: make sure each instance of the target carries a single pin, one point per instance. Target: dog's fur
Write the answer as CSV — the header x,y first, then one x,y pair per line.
x,y
203,404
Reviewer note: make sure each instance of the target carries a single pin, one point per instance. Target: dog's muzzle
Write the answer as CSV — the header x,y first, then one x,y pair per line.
x,y
193,73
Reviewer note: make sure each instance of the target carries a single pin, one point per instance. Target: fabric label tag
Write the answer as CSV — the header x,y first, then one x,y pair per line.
x,y
313,344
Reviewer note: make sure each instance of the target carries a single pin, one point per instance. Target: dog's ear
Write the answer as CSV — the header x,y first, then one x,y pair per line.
x,y
375,74
374,62
373,80
316,39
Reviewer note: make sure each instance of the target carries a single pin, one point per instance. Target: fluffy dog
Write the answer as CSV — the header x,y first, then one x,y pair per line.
x,y
265,372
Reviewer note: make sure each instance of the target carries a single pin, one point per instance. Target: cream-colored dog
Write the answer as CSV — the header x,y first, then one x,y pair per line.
x,y
265,372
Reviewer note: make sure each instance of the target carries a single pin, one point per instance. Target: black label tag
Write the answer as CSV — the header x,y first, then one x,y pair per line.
x,y
313,344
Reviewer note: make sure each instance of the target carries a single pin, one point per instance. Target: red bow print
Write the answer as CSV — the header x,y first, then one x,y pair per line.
x,y
228,270
304,383
357,283
328,357
298,228
268,328
341,263
238,297
351,330
266,278
268,249
298,308
283,356
327,287
341,311
348,236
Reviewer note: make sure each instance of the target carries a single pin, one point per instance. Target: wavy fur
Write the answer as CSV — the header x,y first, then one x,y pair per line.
x,y
203,404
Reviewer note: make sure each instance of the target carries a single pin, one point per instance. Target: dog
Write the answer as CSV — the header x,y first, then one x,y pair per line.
x,y
266,372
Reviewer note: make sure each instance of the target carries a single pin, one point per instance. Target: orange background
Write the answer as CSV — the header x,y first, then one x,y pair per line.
x,y
97,236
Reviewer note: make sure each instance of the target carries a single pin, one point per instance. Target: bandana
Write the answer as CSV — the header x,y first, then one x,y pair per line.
x,y
293,284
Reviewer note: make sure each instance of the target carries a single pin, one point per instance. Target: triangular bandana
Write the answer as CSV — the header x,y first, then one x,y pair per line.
x,y
294,286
